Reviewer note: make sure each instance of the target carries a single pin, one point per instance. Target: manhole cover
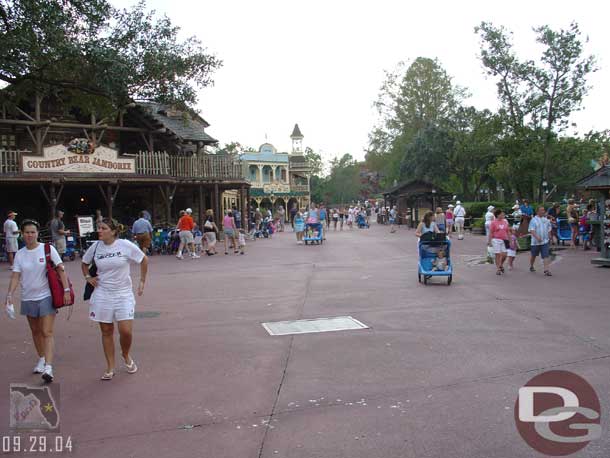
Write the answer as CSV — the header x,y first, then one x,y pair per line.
x,y
338,323
147,314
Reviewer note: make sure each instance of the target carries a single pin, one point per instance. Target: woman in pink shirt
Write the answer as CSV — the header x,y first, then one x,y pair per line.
x,y
230,231
499,239
449,219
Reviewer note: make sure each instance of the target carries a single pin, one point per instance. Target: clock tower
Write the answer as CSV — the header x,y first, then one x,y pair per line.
x,y
297,140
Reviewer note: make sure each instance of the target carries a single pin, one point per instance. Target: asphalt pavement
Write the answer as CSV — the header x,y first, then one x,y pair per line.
x,y
436,374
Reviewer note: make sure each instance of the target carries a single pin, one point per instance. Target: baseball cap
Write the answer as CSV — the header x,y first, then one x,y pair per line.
x,y
490,208
516,207
12,213
459,202
450,206
189,210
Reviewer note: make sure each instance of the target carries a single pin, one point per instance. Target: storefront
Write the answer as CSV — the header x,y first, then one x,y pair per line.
x,y
598,183
152,158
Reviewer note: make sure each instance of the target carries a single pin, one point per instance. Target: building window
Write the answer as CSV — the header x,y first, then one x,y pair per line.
x,y
7,141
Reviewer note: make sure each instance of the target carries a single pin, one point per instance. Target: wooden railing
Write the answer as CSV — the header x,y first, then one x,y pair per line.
x,y
204,167
196,167
299,187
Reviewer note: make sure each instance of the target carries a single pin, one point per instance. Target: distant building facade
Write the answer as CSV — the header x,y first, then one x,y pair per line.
x,y
278,179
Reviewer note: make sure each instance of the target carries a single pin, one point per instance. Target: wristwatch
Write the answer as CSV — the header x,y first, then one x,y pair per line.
x,y
66,290
87,277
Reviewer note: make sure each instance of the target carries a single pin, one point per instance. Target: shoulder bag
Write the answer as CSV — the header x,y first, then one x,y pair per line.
x,y
57,289
93,272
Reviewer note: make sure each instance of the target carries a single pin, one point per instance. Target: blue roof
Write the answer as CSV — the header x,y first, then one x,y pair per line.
x,y
265,157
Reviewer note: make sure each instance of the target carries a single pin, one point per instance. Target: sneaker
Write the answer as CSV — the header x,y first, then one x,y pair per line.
x,y
179,256
532,269
39,369
195,256
548,273
47,374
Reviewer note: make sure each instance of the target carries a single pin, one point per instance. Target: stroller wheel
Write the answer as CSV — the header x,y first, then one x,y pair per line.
x,y
425,280
72,257
419,278
449,279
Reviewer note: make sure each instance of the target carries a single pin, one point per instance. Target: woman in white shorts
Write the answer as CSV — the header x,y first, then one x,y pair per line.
x,y
498,239
30,269
112,299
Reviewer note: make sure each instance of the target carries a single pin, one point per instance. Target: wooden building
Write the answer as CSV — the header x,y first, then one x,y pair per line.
x,y
413,198
146,156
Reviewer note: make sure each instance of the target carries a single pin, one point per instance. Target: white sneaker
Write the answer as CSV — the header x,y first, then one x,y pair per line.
x,y
10,311
179,256
47,374
39,369
195,256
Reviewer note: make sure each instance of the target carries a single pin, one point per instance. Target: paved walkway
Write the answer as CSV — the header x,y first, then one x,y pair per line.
x,y
436,375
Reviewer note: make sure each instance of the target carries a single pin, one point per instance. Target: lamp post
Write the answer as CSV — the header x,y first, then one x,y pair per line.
x,y
545,185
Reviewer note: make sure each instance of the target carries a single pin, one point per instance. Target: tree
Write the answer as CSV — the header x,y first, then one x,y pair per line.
x,y
315,162
343,182
97,55
424,95
543,93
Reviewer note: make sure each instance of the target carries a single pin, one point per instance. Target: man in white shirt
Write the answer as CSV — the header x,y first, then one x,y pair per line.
x,y
11,234
540,227
459,214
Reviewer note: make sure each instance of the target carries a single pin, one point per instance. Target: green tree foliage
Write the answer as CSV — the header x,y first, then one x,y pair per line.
x,y
315,162
98,55
409,101
540,95
342,185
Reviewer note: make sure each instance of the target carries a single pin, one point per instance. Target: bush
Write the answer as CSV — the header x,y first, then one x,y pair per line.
x,y
478,209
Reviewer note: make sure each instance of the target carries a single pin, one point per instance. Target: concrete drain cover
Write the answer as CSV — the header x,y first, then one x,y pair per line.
x,y
146,314
338,323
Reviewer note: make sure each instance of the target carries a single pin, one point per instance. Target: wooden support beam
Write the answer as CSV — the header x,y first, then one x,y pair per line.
x,y
69,125
24,114
44,193
201,207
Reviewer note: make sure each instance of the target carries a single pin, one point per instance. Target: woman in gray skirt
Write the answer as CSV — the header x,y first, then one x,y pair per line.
x,y
30,270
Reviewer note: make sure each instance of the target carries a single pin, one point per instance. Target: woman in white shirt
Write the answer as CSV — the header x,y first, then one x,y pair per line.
x,y
112,299
30,269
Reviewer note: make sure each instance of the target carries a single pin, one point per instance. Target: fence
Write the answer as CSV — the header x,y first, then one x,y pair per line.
x,y
156,164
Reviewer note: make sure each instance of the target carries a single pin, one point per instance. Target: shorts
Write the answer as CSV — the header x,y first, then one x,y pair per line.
x,y
186,237
228,232
143,240
392,220
39,308
117,309
542,250
498,246
449,222
459,221
11,245
511,253
210,237
60,245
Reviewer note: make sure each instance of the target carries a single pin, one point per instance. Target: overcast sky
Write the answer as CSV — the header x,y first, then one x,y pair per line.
x,y
320,63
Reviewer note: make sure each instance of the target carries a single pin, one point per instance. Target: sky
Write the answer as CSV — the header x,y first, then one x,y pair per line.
x,y
320,63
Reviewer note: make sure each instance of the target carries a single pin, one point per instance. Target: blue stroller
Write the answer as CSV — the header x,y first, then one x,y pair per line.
x,y
564,231
428,260
361,221
314,233
70,247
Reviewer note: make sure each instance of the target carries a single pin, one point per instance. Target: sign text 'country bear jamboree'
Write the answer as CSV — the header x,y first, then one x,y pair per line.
x,y
66,159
